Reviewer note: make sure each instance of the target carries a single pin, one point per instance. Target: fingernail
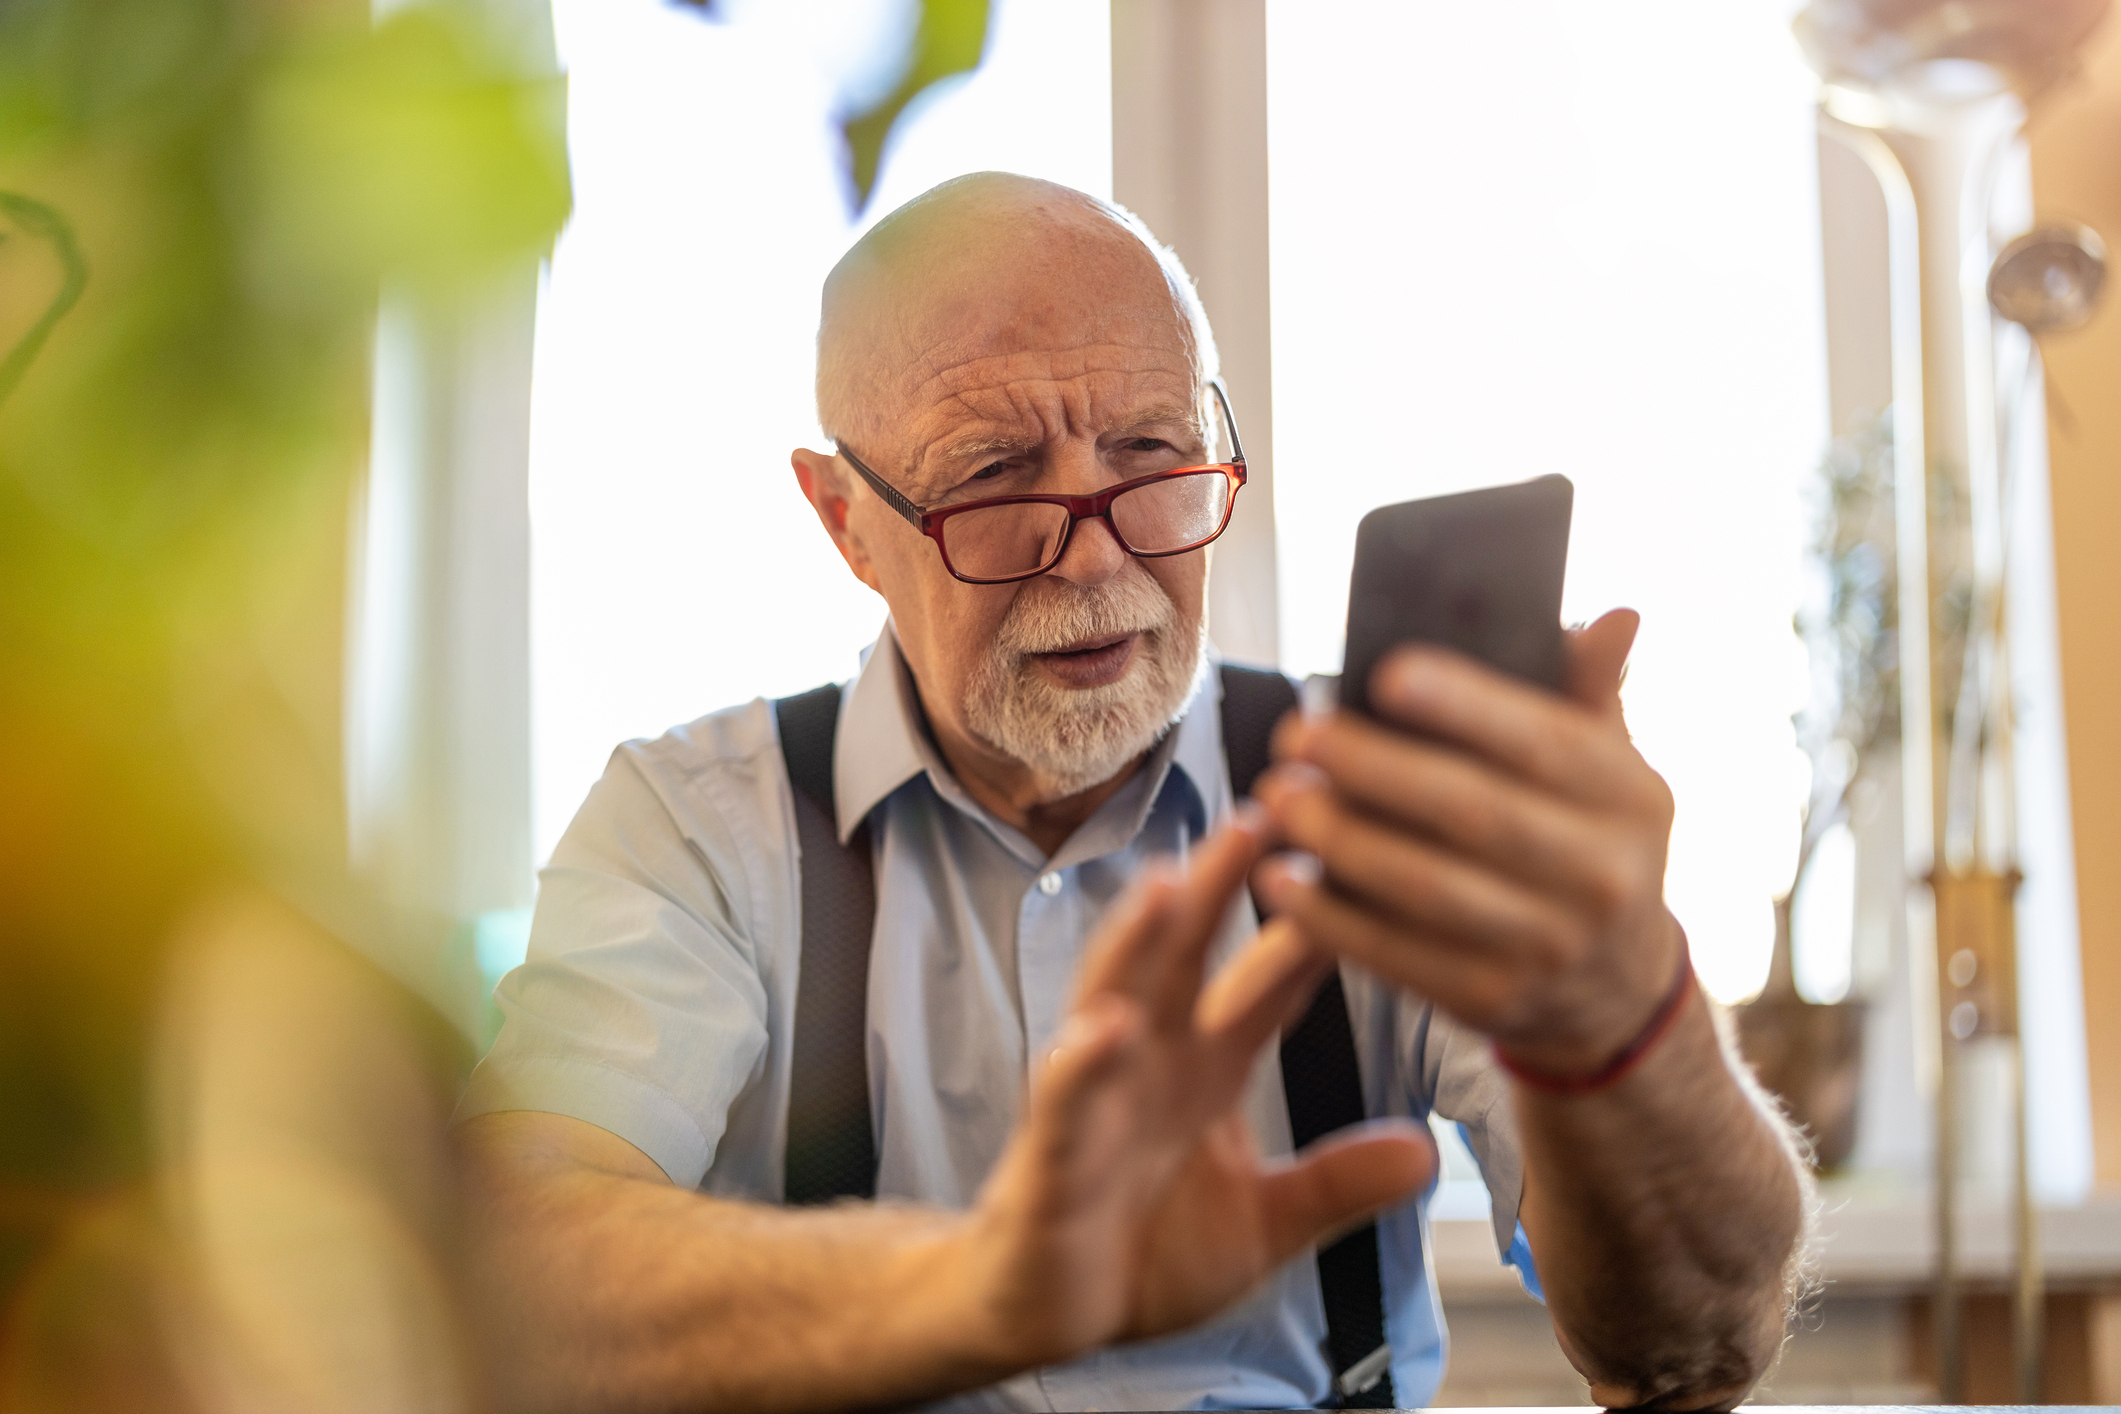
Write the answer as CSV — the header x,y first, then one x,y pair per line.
x,y
1409,681
1299,775
1284,874
1076,1030
1294,734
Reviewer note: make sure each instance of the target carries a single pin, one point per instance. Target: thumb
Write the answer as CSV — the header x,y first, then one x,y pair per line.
x,y
1598,659
1340,1181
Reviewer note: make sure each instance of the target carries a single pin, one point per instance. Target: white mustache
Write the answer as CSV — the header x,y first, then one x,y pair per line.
x,y
1061,615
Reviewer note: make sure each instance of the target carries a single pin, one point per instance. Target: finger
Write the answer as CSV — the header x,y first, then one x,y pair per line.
x,y
1261,991
1120,958
1419,883
1197,909
1092,1046
1598,660
1339,1182
1548,740
1460,800
1480,990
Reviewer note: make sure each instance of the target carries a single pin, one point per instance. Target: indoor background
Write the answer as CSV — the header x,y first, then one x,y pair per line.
x,y
401,420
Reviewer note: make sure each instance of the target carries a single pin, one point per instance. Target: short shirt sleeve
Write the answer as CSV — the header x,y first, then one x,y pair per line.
x,y
640,1007
1465,1085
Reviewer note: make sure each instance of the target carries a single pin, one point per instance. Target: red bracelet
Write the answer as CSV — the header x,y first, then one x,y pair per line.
x,y
1628,1057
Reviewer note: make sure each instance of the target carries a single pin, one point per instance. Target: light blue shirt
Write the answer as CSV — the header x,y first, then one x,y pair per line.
x,y
659,995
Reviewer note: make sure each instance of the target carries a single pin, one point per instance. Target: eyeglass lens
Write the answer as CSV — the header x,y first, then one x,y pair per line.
x,y
1020,538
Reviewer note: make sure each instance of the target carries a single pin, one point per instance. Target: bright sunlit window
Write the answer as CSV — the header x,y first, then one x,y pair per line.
x,y
1466,290
1513,239
675,567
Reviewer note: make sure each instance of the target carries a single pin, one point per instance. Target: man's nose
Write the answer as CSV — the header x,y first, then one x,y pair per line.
x,y
1093,556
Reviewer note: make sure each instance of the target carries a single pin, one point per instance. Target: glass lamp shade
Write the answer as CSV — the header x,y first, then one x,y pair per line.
x,y
1945,44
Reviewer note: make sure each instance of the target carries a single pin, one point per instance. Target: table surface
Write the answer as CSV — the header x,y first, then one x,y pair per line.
x,y
1867,1241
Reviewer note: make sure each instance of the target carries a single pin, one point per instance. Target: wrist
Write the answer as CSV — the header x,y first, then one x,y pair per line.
x,y
954,1293
1583,1066
1006,1301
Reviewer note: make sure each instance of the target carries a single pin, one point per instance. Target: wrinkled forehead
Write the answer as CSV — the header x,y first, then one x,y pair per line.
x,y
989,299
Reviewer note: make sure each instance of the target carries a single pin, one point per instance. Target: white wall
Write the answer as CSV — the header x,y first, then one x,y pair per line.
x,y
675,567
1549,236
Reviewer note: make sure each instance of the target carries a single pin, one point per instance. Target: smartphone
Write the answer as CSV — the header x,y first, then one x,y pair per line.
x,y
1479,572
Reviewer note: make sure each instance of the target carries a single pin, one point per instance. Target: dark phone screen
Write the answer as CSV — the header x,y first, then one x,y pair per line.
x,y
1479,571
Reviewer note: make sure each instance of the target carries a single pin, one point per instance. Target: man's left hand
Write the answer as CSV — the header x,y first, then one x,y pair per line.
x,y
1501,852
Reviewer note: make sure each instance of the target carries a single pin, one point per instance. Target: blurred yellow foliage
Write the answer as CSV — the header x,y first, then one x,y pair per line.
x,y
414,148
235,179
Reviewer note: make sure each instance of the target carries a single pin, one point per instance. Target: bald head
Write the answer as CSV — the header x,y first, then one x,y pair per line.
x,y
993,266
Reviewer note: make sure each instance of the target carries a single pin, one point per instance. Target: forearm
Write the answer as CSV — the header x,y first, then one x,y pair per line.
x,y
607,1290
1665,1214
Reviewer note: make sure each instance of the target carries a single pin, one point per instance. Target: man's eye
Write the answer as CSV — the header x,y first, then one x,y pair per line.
x,y
988,473
1147,444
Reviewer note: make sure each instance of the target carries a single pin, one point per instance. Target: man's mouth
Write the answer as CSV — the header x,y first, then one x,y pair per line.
x,y
1093,662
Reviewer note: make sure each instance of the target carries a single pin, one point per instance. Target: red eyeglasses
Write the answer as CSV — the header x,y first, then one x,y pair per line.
x,y
1007,538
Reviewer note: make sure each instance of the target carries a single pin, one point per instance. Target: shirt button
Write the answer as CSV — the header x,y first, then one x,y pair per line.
x,y
1049,883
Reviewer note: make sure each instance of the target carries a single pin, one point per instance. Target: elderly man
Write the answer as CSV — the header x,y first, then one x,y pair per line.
x,y
1076,1126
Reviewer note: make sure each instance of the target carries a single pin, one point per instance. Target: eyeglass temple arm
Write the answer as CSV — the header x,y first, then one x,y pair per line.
x,y
1222,400
883,488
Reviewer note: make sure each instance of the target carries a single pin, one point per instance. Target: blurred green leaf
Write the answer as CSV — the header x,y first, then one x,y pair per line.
x,y
413,151
177,457
950,40
38,221
68,66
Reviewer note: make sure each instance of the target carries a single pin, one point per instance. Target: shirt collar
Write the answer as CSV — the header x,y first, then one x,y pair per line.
x,y
1199,745
882,743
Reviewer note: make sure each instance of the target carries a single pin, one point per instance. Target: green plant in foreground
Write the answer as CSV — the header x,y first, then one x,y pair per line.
x,y
202,200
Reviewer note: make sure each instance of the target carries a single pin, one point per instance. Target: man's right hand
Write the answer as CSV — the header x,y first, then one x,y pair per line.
x,y
1133,1201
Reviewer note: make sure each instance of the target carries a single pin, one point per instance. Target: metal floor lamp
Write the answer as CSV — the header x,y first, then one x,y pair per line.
x,y
1931,93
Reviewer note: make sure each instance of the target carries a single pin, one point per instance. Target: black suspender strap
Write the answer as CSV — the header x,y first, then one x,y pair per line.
x,y
831,1152
1322,1081
1324,1087
831,1149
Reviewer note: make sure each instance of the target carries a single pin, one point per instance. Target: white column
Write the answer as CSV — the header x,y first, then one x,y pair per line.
x,y
438,671
1189,156
437,716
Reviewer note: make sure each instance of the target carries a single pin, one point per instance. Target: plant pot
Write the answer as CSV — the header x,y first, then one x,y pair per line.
x,y
1811,1055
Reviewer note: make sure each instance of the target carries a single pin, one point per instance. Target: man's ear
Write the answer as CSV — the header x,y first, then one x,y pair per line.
x,y
825,487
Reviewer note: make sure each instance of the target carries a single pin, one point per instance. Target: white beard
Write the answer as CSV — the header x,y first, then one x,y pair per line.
x,y
1076,738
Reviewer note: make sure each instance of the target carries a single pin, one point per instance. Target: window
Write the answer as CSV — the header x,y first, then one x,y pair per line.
x,y
1620,285
675,568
